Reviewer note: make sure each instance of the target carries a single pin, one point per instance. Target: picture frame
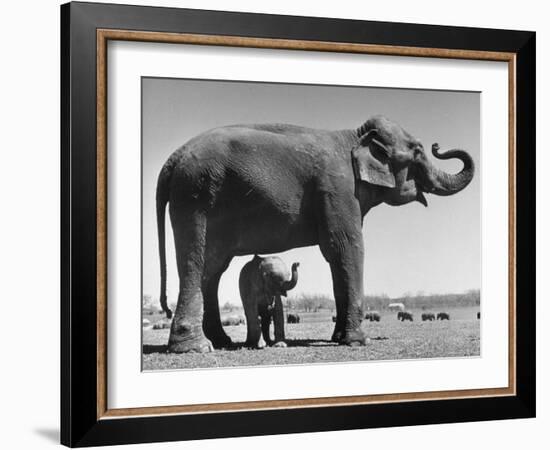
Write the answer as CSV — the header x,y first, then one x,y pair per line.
x,y
86,418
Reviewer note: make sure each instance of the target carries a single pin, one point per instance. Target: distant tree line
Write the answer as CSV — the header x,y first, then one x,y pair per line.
x,y
380,302
309,302
423,301
376,302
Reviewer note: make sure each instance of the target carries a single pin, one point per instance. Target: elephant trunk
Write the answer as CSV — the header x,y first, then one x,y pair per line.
x,y
291,284
447,184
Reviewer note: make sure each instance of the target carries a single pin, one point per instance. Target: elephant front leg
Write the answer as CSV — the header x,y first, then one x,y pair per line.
x,y
344,252
341,307
279,322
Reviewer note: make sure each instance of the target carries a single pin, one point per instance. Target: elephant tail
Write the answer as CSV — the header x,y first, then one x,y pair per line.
x,y
163,195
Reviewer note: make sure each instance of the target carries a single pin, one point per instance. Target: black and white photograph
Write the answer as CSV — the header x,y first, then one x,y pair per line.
x,y
288,224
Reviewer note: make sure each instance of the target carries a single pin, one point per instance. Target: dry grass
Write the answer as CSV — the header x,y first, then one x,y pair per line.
x,y
309,342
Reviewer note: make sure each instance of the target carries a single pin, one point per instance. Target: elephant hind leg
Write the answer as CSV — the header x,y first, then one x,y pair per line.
x,y
186,332
212,325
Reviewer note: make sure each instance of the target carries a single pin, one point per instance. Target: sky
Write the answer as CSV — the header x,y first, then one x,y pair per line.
x,y
408,249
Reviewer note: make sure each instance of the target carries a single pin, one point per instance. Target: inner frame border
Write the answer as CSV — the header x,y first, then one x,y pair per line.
x,y
104,35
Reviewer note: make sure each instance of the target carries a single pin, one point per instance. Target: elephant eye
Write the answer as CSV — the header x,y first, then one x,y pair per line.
x,y
381,147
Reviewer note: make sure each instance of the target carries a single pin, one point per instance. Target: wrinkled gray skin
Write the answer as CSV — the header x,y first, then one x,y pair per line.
x,y
247,189
261,283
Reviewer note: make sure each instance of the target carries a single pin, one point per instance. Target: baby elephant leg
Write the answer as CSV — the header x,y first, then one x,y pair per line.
x,y
279,322
265,317
253,335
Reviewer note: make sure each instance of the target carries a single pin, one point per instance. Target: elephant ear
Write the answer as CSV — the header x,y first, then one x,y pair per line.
x,y
371,161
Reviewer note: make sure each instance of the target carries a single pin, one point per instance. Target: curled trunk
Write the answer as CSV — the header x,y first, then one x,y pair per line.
x,y
448,184
291,284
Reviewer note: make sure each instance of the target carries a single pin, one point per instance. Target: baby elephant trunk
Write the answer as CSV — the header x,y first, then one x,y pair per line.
x,y
291,284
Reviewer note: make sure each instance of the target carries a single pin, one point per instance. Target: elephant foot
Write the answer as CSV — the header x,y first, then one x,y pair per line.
x,y
184,340
216,335
261,344
337,336
280,344
221,341
191,346
256,345
354,338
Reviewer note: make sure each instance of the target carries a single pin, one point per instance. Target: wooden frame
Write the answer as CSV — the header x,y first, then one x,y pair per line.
x,y
86,419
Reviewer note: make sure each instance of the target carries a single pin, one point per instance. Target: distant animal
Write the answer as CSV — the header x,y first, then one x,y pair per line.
x,y
443,316
162,324
478,315
404,315
396,307
232,321
373,316
292,318
428,316
334,319
262,282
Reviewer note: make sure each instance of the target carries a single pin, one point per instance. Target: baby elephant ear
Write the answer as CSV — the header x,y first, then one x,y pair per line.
x,y
371,162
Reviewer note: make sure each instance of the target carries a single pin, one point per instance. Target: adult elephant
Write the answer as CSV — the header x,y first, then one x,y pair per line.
x,y
292,318
373,316
261,283
247,189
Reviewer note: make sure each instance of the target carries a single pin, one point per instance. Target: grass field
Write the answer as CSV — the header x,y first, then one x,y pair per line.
x,y
309,342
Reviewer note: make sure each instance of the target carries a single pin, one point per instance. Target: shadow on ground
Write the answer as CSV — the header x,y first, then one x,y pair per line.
x,y
151,349
310,343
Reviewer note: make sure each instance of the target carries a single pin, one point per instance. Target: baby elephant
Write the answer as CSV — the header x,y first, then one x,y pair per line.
x,y
261,283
